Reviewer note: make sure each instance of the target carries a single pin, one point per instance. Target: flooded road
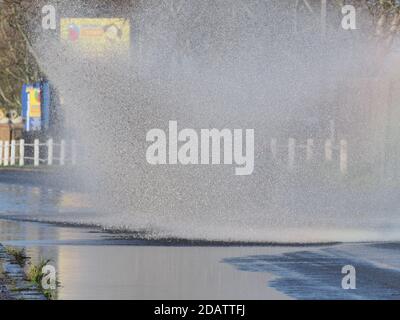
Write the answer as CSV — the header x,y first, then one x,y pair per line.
x,y
92,263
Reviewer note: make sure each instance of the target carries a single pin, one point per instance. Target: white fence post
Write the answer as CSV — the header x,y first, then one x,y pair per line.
x,y
73,152
1,152
274,150
36,152
12,156
328,150
6,152
343,156
21,152
291,152
62,152
309,149
50,152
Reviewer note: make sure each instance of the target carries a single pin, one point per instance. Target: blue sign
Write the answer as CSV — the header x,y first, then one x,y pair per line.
x,y
36,106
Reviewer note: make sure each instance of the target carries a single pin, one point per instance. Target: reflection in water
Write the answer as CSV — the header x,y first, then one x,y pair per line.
x,y
33,202
90,266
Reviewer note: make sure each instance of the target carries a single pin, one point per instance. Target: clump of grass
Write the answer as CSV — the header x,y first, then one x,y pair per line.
x,y
18,255
36,275
35,271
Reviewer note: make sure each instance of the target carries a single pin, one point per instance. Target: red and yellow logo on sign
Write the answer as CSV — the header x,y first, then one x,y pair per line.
x,y
96,35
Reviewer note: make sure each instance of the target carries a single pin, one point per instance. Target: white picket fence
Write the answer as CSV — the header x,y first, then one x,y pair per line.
x,y
308,149
14,153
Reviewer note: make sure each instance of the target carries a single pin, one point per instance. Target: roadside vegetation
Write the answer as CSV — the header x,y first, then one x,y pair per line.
x,y
33,271
35,275
18,255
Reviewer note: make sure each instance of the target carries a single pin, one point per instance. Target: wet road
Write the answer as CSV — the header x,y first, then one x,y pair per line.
x,y
94,264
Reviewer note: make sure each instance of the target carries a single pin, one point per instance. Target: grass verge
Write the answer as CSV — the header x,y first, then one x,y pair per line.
x,y
18,255
34,272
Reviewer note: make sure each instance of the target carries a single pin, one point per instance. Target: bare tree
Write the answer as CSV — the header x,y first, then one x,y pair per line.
x,y
17,59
